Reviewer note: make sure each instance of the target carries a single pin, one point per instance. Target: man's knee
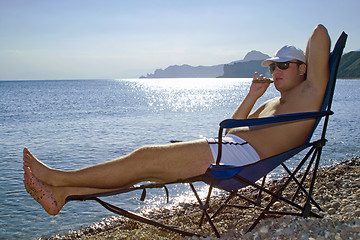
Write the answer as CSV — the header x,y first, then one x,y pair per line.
x,y
145,152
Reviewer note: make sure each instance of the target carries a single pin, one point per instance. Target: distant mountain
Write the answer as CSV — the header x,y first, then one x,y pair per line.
x,y
187,71
349,68
252,56
349,65
246,68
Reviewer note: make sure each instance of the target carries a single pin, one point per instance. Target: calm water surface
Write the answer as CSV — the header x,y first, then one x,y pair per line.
x,y
72,124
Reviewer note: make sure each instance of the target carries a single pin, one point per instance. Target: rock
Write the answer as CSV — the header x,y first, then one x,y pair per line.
x,y
335,205
356,196
331,211
330,185
264,229
338,237
349,208
357,213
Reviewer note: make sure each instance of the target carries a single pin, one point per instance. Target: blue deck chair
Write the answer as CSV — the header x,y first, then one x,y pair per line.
x,y
233,178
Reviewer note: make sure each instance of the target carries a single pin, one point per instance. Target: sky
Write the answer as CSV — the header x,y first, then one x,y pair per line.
x,y
113,39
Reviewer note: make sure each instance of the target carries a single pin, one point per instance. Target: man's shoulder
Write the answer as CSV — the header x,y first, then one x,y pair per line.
x,y
271,103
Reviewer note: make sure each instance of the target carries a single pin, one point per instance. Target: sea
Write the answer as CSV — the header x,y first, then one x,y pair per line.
x,y
70,124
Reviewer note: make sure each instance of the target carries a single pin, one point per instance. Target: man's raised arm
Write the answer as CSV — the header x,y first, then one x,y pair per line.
x,y
317,57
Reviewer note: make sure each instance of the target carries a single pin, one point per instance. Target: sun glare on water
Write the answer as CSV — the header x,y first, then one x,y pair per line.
x,y
188,94
190,83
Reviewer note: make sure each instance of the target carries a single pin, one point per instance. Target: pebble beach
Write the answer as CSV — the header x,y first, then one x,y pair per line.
x,y
337,190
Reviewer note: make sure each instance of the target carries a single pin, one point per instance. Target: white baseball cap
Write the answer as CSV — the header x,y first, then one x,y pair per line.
x,y
284,54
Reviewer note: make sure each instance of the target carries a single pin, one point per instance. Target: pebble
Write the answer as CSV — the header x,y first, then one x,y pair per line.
x,y
331,211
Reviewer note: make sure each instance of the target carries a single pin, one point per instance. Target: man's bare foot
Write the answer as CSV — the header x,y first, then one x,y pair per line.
x,y
39,169
44,194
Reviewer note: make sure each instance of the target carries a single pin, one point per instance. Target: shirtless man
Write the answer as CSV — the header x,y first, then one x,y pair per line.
x,y
165,163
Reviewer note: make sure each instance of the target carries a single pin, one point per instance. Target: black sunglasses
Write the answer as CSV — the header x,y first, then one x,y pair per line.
x,y
281,65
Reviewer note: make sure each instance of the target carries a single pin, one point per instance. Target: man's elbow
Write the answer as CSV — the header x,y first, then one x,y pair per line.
x,y
320,32
320,27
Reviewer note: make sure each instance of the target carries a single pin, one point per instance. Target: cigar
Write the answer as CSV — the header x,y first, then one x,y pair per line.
x,y
262,81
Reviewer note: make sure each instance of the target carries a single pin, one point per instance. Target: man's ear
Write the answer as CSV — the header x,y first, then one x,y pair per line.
x,y
302,69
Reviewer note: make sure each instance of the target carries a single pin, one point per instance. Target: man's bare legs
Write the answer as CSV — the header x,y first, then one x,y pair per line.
x,y
51,198
50,187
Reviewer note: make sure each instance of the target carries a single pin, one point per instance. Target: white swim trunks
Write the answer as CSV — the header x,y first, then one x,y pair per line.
x,y
235,151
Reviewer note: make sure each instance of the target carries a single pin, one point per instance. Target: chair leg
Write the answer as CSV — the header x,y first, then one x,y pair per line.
x,y
307,208
300,184
203,208
308,194
259,196
279,192
206,205
231,196
306,171
257,201
261,216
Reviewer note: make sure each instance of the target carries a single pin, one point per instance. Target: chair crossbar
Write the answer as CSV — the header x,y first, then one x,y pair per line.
x,y
277,195
306,171
274,195
301,187
306,209
317,162
142,219
203,208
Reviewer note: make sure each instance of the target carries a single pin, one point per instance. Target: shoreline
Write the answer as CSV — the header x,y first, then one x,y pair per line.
x,y
337,190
